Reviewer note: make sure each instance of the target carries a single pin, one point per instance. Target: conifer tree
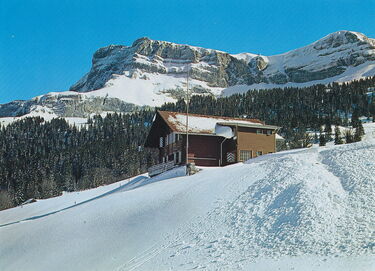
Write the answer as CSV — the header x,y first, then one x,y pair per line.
x,y
322,137
338,139
355,118
322,140
306,140
360,129
359,132
348,136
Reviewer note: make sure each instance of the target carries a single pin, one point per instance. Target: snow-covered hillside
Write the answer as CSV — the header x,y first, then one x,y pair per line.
x,y
151,72
307,209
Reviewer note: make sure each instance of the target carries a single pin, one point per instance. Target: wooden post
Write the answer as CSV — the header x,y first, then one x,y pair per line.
x,y
187,116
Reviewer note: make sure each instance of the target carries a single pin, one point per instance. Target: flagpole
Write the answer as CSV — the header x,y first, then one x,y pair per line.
x,y
187,115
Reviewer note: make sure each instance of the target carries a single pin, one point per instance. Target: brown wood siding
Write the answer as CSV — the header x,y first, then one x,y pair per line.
x,y
248,139
158,129
204,150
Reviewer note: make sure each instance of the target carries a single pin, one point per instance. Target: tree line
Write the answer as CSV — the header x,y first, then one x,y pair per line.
x,y
299,111
40,159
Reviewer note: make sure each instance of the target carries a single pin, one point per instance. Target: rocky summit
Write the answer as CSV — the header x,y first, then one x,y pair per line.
x,y
326,58
151,72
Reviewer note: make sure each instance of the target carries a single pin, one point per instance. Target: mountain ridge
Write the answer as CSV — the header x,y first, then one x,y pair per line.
x,y
257,63
152,72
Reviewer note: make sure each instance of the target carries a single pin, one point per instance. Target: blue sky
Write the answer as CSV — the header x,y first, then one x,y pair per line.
x,y
47,45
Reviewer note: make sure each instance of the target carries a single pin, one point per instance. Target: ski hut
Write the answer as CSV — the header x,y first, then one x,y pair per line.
x,y
212,140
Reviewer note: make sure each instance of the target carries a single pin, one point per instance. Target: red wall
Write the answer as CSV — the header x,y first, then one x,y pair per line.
x,y
204,147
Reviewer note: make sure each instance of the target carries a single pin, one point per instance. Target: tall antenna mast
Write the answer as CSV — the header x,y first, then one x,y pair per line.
x,y
187,115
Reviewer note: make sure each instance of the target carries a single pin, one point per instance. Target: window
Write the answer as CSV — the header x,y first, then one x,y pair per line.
x,y
161,142
259,153
177,137
259,131
269,132
171,138
245,155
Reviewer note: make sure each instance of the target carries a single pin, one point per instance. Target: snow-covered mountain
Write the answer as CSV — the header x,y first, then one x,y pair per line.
x,y
307,209
151,72
342,55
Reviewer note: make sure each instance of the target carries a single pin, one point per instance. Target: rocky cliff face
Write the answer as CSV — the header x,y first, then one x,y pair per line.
x,y
326,58
151,72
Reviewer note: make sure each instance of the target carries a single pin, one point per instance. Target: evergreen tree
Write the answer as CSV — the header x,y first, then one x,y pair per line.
x,y
306,141
360,129
322,140
359,133
338,139
355,118
349,136
328,129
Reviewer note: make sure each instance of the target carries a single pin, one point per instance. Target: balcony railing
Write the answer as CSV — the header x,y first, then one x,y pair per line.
x,y
160,168
171,148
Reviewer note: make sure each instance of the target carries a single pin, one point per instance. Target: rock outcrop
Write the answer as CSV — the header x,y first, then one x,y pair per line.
x,y
326,58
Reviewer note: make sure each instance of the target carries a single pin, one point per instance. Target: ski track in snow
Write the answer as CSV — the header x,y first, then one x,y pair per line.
x,y
307,209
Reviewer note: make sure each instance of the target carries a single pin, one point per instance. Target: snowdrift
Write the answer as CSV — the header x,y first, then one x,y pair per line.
x,y
309,209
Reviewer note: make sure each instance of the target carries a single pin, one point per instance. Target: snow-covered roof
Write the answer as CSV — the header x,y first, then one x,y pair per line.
x,y
205,124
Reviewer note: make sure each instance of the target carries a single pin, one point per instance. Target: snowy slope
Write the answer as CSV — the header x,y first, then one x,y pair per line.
x,y
308,209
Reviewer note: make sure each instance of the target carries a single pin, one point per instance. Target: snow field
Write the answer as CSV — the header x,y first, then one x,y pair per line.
x,y
307,209
297,208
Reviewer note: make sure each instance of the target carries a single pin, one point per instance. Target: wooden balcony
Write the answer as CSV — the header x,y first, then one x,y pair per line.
x,y
171,148
160,168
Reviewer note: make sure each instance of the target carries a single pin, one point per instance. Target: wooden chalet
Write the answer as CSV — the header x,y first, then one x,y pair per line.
x,y
213,140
